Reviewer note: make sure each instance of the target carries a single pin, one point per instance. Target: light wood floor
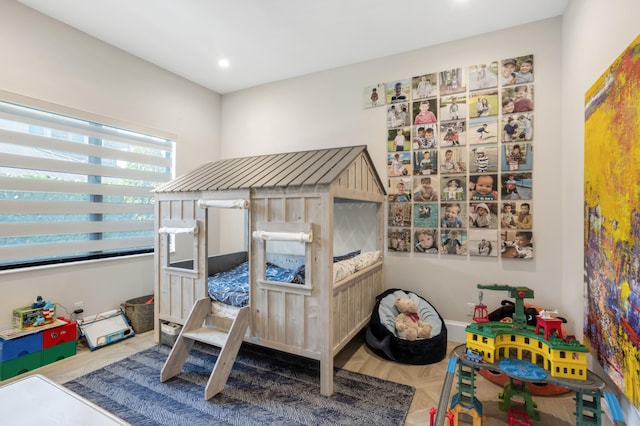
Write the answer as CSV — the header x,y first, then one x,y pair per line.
x,y
427,379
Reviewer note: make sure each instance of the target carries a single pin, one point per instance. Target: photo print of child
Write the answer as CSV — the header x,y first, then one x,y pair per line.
x,y
452,215
424,86
453,133
516,186
517,127
483,215
453,242
483,130
483,104
483,187
425,136
398,163
452,189
398,91
521,98
524,215
452,160
425,189
517,70
453,81
424,112
517,157
399,239
399,139
399,190
483,242
453,107
508,216
426,241
425,215
425,162
374,96
483,75
399,214
397,115
516,244
483,158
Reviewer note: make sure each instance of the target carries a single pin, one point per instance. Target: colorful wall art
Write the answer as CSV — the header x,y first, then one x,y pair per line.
x,y
612,221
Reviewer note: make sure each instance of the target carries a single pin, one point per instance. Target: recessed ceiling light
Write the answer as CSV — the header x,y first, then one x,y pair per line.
x,y
223,63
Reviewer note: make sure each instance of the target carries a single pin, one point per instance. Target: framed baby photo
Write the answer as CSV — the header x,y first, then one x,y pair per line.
x,y
517,99
453,188
399,214
516,186
453,107
425,215
516,245
398,91
453,160
453,214
453,133
483,130
524,215
425,136
483,242
453,242
399,190
483,75
516,157
453,81
425,240
483,158
398,115
399,164
374,96
399,139
424,86
399,239
483,215
425,162
425,111
425,189
483,104
483,187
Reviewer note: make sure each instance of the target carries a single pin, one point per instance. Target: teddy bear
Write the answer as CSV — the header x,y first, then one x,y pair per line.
x,y
408,323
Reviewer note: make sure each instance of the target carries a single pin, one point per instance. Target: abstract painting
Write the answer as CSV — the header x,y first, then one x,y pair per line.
x,y
612,221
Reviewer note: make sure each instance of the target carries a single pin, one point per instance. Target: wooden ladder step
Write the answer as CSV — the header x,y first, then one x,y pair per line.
x,y
208,335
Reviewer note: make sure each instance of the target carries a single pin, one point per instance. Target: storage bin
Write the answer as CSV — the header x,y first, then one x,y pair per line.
x,y
58,335
58,352
169,333
20,346
20,365
139,312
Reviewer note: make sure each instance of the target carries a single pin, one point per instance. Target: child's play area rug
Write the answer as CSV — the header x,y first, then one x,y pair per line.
x,y
265,388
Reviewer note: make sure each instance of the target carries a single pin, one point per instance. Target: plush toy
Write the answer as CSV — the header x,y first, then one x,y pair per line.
x,y
408,323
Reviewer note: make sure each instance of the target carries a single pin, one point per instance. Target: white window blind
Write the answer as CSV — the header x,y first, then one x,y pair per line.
x,y
73,189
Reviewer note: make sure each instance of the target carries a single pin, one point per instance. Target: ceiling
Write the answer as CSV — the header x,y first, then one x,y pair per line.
x,y
272,40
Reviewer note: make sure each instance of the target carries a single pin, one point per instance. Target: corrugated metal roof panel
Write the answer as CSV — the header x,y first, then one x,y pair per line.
x,y
302,168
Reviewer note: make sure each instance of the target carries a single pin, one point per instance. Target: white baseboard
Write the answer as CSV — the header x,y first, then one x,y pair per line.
x,y
455,331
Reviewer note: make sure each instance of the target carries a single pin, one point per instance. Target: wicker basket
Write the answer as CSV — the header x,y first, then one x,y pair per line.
x,y
140,313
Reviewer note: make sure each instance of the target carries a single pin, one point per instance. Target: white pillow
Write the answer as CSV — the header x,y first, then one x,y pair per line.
x,y
343,269
366,259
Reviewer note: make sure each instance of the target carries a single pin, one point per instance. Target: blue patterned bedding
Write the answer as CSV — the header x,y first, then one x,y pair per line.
x,y
232,287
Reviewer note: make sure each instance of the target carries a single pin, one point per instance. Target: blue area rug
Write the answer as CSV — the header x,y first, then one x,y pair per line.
x,y
265,388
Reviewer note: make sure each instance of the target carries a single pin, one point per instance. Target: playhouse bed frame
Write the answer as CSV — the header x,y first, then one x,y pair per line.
x,y
285,194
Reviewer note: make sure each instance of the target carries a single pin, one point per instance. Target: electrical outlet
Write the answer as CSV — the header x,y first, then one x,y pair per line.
x,y
470,308
78,306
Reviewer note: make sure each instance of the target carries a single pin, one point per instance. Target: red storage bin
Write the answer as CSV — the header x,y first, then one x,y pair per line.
x,y
59,335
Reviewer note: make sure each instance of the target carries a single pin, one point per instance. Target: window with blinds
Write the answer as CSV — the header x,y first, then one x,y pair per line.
x,y
73,189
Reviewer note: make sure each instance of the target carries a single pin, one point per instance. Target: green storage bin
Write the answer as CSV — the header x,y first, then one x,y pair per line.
x,y
20,365
58,352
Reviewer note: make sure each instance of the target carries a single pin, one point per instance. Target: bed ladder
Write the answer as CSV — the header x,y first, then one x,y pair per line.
x,y
194,330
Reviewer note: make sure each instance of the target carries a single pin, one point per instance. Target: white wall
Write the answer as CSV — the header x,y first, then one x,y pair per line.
x,y
325,110
44,59
595,33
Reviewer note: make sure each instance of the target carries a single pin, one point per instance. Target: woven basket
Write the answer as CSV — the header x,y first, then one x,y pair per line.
x,y
139,313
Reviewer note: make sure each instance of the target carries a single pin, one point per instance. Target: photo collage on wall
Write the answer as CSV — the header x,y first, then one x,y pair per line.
x,y
460,160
